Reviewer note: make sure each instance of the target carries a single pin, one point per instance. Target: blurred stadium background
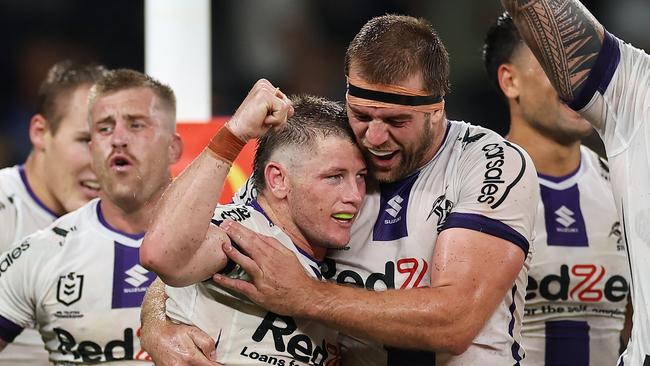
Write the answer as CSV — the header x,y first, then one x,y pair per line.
x,y
297,44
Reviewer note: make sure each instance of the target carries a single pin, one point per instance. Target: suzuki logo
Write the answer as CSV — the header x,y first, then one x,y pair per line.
x,y
564,216
136,276
394,203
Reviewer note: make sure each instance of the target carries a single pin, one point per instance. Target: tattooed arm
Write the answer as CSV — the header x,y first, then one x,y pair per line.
x,y
564,36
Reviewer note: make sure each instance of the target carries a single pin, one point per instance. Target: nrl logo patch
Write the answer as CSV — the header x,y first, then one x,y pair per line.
x,y
68,290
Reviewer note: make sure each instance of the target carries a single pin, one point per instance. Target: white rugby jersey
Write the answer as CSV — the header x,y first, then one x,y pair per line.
x,y
616,99
80,281
478,181
579,278
247,334
21,213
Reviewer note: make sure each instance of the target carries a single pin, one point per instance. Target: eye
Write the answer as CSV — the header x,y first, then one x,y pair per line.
x,y
362,117
83,139
104,128
396,122
334,178
137,124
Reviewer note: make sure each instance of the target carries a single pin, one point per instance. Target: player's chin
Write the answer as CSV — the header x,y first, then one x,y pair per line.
x,y
338,238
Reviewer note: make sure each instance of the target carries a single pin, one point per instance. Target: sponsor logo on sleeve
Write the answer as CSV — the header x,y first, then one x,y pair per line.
x,y
11,256
495,188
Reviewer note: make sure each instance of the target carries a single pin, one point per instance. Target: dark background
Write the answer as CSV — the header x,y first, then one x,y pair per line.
x,y
297,44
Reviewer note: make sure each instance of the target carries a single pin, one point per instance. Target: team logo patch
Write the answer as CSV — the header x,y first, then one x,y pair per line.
x,y
130,279
442,208
69,288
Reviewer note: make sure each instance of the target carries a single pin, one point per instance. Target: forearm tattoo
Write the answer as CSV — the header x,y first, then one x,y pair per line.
x,y
564,37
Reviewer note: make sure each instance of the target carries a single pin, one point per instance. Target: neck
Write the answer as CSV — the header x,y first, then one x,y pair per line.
x,y
34,170
129,220
280,216
550,157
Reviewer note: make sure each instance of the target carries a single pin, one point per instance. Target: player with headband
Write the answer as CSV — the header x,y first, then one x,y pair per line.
x,y
443,236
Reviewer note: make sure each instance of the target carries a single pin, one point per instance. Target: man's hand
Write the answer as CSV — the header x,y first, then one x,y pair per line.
x,y
265,107
171,344
279,282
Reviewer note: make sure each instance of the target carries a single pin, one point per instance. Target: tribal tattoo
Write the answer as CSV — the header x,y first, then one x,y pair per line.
x,y
564,37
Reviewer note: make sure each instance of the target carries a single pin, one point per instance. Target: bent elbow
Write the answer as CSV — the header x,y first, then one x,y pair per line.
x,y
459,346
456,342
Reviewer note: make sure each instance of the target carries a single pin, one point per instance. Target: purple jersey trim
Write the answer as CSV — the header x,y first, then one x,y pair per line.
x,y
567,343
9,330
23,177
601,73
562,178
105,223
514,349
487,225
259,208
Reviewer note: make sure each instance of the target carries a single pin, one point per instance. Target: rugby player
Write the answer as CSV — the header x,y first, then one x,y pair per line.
x,y
311,179
56,177
443,242
608,82
579,279
79,279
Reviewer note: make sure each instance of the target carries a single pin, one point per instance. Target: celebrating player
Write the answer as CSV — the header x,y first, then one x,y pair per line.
x,y
449,226
608,82
79,280
311,179
579,278
55,179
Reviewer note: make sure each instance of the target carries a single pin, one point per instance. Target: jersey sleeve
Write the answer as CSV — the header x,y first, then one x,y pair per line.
x,y
17,283
616,95
7,221
498,192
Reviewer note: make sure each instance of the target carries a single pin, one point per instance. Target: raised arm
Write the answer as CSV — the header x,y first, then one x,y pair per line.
x,y
182,247
564,36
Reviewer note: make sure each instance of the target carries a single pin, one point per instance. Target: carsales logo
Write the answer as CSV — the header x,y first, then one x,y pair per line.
x,y
581,282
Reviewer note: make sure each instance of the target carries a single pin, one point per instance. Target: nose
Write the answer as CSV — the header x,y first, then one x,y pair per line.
x,y
354,192
376,134
120,135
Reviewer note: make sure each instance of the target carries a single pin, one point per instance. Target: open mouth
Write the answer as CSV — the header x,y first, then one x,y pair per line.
x,y
120,162
383,155
344,217
90,187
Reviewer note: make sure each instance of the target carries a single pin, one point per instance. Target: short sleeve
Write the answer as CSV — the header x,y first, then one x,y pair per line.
x,y
616,95
7,221
498,192
17,283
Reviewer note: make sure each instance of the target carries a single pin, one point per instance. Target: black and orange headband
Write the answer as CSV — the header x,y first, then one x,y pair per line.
x,y
390,96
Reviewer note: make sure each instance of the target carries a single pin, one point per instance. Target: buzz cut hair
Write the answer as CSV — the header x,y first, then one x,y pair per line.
x,y
123,79
61,81
314,118
392,48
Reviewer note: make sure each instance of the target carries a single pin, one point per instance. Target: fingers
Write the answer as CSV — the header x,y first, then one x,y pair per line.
x,y
203,342
243,287
246,263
